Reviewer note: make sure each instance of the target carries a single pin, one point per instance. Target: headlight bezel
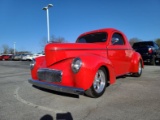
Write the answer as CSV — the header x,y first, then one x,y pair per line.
x,y
32,64
76,65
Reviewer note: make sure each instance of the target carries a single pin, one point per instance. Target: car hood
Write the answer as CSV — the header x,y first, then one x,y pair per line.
x,y
55,52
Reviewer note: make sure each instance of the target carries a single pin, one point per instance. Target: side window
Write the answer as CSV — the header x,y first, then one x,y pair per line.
x,y
117,39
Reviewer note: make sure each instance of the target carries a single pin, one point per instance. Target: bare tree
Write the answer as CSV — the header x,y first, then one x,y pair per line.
x,y
43,42
53,39
0,50
133,40
11,51
5,49
23,52
57,40
158,41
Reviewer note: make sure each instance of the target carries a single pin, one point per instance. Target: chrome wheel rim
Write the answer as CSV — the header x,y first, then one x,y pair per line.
x,y
140,68
99,81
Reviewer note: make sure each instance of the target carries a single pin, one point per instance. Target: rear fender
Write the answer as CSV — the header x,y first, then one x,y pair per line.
x,y
136,57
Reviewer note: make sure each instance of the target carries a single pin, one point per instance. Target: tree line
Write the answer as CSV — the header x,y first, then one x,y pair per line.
x,y
5,49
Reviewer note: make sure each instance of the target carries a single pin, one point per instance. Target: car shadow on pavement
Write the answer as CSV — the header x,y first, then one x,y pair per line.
x,y
56,92
123,76
59,116
46,117
64,116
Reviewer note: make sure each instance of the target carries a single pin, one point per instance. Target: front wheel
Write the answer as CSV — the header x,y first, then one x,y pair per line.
x,y
99,84
138,74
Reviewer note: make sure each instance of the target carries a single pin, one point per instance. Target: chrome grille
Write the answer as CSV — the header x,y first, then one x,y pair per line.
x,y
49,75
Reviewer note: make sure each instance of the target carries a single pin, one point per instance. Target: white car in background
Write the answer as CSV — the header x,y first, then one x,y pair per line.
x,y
37,55
17,57
27,57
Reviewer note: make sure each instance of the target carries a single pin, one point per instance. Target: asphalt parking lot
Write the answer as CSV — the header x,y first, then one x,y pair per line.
x,y
129,98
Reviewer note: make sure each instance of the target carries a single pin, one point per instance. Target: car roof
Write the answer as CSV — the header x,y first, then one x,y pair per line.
x,y
100,30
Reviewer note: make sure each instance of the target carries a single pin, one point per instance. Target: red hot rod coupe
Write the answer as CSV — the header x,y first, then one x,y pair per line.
x,y
87,66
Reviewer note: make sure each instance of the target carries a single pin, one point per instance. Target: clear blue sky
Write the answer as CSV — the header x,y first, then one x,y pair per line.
x,y
24,21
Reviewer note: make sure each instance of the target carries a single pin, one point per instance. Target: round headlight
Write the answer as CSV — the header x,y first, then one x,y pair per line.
x,y
76,65
32,64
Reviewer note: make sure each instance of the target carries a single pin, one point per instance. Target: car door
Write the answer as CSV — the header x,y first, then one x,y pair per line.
x,y
118,54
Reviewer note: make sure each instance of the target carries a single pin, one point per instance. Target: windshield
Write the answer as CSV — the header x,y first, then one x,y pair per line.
x,y
93,38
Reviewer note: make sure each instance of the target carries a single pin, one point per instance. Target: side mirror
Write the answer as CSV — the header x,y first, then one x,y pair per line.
x,y
114,40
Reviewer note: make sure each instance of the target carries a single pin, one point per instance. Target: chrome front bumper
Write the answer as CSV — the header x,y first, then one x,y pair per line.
x,y
72,90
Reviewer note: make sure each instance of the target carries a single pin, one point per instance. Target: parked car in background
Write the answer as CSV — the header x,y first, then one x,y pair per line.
x,y
87,66
0,57
17,57
27,57
149,51
6,57
37,55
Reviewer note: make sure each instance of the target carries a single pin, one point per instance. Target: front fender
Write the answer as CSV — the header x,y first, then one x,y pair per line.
x,y
40,63
82,79
90,65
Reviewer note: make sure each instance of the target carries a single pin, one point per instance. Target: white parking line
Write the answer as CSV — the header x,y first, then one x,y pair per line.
x,y
16,95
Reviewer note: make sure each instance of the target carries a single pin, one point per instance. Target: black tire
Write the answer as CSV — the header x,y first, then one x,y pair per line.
x,y
99,84
153,61
139,73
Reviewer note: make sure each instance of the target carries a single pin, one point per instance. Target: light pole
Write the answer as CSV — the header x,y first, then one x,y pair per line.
x,y
47,9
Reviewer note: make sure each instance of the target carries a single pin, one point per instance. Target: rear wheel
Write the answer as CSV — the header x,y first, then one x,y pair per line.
x,y
138,74
99,84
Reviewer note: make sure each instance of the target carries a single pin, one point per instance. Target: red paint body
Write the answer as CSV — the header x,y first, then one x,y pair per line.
x,y
117,59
